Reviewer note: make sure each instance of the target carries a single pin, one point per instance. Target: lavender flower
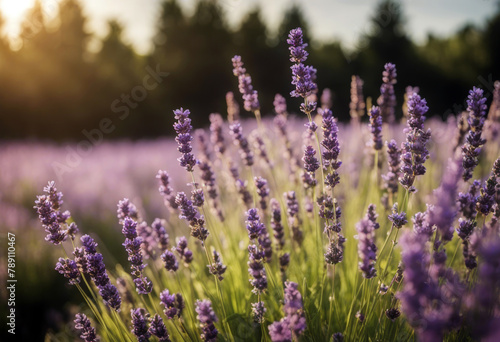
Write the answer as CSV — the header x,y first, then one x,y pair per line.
x,y
338,337
262,191
260,148
173,303
366,248
284,261
409,90
184,253
52,219
391,178
197,196
206,316
126,209
279,233
166,190
335,251
217,268
392,314
476,108
208,178
256,270
371,215
192,216
257,230
183,129
311,164
69,269
376,128
397,219
157,328
162,236
331,151
279,104
239,140
486,200
387,99
357,105
250,96
294,309
87,331
414,153
216,134
140,324
170,261
258,312
280,332
294,220
202,144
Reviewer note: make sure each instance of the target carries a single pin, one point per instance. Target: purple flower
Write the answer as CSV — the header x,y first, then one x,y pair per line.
x,y
239,140
293,216
294,309
262,191
279,104
170,261
371,215
173,303
192,216
206,316
254,227
331,150
284,261
278,231
183,129
87,331
50,219
311,164
366,248
476,107
260,148
256,270
467,201
414,152
397,219
162,237
126,209
69,269
202,144
166,190
197,197
357,105
392,314
140,324
250,96
216,133
387,99
280,331
157,328
258,312
338,337
376,128
217,268
208,178
486,199
394,156
184,253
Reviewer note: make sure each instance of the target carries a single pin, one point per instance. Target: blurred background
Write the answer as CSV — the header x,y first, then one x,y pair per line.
x,y
87,89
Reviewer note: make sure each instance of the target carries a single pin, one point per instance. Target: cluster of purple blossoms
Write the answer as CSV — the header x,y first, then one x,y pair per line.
x,y
126,209
192,216
69,269
216,133
140,324
357,105
376,128
208,178
262,191
397,219
387,99
233,109
279,104
366,244
197,196
202,144
257,231
256,269
293,324
492,124
303,76
476,107
157,328
217,268
206,316
87,331
170,261
182,249
294,220
391,178
132,245
183,129
278,231
162,237
166,190
467,223
239,140
331,212
311,164
413,151
486,200
93,264
258,312
330,143
409,90
335,250
173,303
250,96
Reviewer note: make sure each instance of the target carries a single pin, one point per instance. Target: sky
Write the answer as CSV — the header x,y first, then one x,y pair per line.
x,y
344,20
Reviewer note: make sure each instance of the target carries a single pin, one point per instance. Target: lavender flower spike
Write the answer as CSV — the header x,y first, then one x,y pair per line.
x,y
250,96
206,316
366,248
87,331
183,129
357,105
294,308
239,140
192,216
140,325
387,99
279,104
173,303
376,128
391,178
217,268
157,328
256,270
262,191
166,190
69,269
182,249
216,133
486,199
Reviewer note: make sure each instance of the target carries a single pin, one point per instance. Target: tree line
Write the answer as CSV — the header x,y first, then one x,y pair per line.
x,y
55,86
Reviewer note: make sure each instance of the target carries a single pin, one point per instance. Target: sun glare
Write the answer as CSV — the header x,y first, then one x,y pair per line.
x,y
14,9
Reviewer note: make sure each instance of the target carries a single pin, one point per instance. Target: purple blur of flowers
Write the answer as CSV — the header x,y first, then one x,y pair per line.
x,y
476,107
192,216
387,99
183,129
173,303
260,148
413,151
294,220
157,328
126,209
217,268
279,104
366,248
294,309
182,249
331,146
87,331
371,215
258,312
236,131
206,316
486,199
256,269
250,96
397,219
262,191
376,128
391,177
69,269
278,230
357,105
170,261
209,182
280,331
140,324
216,133
166,190
162,237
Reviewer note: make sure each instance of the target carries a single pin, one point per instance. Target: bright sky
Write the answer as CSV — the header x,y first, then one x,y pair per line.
x,y
329,19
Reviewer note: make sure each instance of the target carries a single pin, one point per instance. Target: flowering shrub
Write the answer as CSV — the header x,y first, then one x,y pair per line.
x,y
303,246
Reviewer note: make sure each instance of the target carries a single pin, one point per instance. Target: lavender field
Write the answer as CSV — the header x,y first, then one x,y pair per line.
x,y
290,227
